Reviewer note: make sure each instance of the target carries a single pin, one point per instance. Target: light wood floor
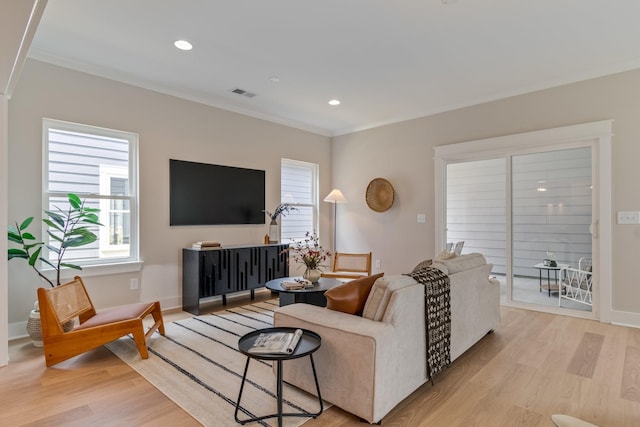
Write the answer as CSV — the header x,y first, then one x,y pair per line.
x,y
532,366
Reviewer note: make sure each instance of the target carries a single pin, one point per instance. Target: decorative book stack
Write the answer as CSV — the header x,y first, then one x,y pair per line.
x,y
296,284
206,244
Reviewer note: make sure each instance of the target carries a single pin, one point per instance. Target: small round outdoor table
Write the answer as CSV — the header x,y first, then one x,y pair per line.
x,y
309,343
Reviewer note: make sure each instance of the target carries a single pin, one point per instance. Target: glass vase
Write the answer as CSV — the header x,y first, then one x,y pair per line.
x,y
274,231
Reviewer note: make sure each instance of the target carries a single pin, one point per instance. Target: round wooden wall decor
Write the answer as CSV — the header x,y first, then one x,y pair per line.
x,y
379,195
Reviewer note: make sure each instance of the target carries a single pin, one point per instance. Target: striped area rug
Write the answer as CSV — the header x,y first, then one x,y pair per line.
x,y
198,366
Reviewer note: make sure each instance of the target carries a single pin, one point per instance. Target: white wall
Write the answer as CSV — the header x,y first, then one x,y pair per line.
x,y
168,127
403,153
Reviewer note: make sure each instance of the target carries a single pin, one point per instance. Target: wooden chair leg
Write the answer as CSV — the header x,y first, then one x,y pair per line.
x,y
157,317
141,342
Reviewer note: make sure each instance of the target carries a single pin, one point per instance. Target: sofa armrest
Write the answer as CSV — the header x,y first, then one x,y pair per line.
x,y
346,360
358,360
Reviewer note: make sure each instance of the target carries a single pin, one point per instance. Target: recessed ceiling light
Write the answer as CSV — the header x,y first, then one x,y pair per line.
x,y
334,102
183,45
274,79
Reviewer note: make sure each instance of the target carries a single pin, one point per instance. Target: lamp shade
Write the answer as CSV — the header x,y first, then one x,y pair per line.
x,y
335,196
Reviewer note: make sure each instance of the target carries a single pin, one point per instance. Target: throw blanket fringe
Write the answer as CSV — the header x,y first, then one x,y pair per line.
x,y
437,306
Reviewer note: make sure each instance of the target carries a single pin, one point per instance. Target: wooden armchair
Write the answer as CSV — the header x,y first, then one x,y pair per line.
x,y
62,304
350,266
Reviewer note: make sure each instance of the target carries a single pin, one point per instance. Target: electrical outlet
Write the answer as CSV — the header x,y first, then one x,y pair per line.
x,y
421,218
378,264
133,284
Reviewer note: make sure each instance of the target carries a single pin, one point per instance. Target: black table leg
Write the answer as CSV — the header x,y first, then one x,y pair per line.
x,y
315,377
279,392
540,276
280,414
244,377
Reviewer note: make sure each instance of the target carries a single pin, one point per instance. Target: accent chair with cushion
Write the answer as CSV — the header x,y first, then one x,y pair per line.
x,y
368,364
63,304
350,266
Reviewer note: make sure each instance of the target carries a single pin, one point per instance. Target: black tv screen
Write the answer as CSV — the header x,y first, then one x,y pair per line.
x,y
205,194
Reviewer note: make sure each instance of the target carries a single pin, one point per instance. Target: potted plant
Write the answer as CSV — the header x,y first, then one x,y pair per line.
x,y
310,253
68,228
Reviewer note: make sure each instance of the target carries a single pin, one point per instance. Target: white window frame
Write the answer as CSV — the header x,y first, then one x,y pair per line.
x,y
313,168
106,265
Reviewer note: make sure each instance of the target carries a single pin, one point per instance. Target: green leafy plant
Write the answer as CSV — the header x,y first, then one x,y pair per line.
x,y
68,228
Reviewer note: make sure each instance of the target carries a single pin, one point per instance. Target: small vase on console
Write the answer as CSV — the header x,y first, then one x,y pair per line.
x,y
274,231
312,275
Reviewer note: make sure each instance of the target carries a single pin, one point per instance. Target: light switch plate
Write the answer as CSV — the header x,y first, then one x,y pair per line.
x,y
628,217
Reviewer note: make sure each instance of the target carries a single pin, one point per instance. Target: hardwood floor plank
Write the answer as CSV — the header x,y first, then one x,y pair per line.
x,y
76,416
630,388
586,356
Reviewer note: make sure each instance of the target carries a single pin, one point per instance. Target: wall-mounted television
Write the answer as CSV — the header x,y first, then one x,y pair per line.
x,y
206,194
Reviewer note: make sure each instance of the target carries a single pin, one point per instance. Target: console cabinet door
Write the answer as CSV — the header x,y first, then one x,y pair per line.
x,y
275,263
246,267
208,273
223,277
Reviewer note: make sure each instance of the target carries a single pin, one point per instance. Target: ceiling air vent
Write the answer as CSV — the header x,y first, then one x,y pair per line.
x,y
243,92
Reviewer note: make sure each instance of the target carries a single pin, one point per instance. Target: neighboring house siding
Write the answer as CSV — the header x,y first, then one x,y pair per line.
x,y
554,220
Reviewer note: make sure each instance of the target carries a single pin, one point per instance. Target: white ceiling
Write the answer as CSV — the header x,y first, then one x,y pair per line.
x,y
386,60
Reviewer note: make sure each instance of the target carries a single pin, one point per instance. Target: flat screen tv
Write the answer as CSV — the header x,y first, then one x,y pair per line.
x,y
205,194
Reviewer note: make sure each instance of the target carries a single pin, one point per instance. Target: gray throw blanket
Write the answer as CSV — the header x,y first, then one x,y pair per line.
x,y
437,303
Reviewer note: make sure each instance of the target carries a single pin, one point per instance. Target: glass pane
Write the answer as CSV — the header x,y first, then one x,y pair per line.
x,y
76,160
296,224
476,201
73,255
551,215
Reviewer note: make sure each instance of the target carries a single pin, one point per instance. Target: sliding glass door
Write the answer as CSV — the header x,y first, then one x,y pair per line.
x,y
532,203
529,236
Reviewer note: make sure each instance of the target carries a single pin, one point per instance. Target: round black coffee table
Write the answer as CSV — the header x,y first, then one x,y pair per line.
x,y
309,343
313,295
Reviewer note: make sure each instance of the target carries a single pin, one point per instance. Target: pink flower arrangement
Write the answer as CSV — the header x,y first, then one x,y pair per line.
x,y
309,252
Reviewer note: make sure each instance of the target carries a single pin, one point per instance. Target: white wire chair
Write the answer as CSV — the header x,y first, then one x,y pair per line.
x,y
576,283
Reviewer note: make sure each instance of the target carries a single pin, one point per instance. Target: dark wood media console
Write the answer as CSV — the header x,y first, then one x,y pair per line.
x,y
218,272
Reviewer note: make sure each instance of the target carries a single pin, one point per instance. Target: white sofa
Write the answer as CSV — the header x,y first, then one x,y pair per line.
x,y
367,366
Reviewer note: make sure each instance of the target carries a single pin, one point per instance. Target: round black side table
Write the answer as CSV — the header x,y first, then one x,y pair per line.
x,y
309,343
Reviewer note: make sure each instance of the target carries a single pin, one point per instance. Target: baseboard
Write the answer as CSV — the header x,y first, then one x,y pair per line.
x,y
625,318
17,330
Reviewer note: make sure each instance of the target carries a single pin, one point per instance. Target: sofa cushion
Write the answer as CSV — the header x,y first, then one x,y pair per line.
x,y
351,296
376,305
464,262
440,266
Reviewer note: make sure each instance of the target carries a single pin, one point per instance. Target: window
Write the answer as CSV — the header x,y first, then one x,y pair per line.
x,y
299,186
100,166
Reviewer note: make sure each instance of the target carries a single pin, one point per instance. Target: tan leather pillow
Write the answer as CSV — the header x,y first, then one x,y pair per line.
x,y
351,297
